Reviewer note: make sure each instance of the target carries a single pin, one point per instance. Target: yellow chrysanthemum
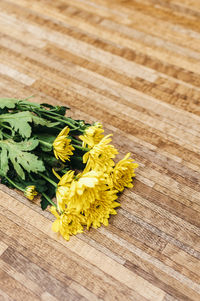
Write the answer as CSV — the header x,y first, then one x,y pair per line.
x,y
92,135
79,191
62,147
30,192
67,179
62,191
68,223
100,210
101,156
123,173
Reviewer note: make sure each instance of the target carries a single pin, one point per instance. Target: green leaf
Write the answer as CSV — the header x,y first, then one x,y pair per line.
x,y
41,185
60,110
44,122
8,103
44,203
28,103
51,194
19,156
1,134
47,139
4,161
20,122
49,160
27,145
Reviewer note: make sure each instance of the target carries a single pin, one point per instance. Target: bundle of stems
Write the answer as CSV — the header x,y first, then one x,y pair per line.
x,y
68,162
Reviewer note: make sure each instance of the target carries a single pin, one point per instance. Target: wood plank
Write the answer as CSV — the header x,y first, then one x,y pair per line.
x,y
134,66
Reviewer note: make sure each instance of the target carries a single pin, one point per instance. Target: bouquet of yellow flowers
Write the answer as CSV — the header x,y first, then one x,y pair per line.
x,y
44,152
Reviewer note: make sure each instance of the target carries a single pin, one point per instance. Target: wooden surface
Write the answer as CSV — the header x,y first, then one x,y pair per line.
x,y
135,67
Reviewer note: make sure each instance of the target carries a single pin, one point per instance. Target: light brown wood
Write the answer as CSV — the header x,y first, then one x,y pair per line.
x,y
134,66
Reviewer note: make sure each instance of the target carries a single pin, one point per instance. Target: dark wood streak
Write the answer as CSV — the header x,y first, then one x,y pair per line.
x,y
134,66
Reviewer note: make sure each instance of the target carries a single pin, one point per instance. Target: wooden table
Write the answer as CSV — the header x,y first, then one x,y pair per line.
x,y
135,67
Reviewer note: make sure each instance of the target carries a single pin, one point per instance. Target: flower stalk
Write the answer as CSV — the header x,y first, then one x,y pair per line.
x,y
48,179
49,200
34,147
30,191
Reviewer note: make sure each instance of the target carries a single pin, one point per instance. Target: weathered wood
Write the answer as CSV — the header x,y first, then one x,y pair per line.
x,y
134,66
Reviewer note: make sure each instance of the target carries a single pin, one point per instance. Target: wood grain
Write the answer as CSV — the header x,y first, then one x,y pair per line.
x,y
134,66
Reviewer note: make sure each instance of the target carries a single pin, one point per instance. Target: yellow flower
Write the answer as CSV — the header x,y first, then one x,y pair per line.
x,y
79,191
93,135
67,178
100,157
62,147
100,210
123,173
62,191
30,192
68,222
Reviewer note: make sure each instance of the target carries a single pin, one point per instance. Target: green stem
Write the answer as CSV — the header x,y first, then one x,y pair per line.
x,y
58,115
7,136
47,113
77,128
45,143
71,130
84,149
6,126
75,140
14,184
54,114
49,200
58,119
31,177
48,179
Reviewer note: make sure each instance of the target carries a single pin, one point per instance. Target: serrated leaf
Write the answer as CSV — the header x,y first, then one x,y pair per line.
x,y
44,122
8,103
28,145
19,156
4,161
20,122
